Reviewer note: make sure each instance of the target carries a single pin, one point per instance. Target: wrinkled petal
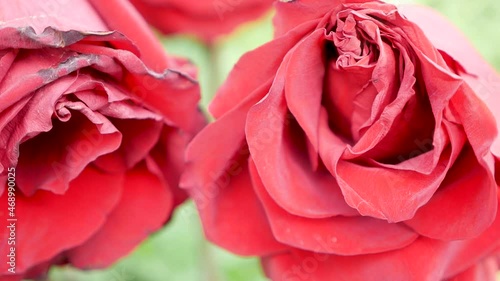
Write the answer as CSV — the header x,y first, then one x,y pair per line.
x,y
72,145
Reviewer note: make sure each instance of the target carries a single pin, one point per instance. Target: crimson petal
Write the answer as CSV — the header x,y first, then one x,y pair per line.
x,y
61,221
144,206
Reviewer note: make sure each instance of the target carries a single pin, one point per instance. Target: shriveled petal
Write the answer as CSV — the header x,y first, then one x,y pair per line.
x,y
172,93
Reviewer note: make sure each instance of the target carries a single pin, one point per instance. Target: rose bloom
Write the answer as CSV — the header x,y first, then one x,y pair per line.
x,y
355,146
206,19
92,135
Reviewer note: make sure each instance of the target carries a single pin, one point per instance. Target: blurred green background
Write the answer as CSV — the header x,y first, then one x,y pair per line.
x,y
179,252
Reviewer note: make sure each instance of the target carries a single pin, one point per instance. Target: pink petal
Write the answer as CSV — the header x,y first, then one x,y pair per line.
x,y
173,93
304,83
54,13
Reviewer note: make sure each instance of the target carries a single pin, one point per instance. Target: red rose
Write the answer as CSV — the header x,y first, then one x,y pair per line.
x,y
206,19
352,148
92,136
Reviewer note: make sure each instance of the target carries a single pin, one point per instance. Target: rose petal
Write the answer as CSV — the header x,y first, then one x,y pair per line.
x,y
170,159
120,15
253,70
484,80
232,216
298,189
60,221
55,13
304,83
423,260
139,137
338,235
140,212
466,202
7,57
206,19
172,93
72,145
206,163
290,14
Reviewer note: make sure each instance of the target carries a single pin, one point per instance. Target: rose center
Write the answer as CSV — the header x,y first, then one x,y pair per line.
x,y
352,44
